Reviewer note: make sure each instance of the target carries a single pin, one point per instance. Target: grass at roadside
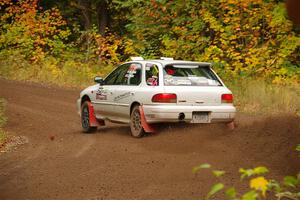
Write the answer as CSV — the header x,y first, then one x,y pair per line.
x,y
72,71
261,97
3,119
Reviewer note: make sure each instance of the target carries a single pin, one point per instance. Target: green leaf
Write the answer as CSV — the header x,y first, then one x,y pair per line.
x,y
288,195
231,193
218,173
290,181
246,172
205,166
202,166
251,172
274,185
298,148
252,195
260,170
214,189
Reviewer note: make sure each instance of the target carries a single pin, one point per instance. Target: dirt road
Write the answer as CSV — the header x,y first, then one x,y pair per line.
x,y
112,165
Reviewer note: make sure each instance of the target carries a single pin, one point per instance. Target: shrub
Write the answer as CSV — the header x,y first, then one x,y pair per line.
x,y
259,187
242,38
32,32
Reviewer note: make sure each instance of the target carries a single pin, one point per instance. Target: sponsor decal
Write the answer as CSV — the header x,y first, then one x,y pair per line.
x,y
122,96
131,71
101,97
132,68
101,94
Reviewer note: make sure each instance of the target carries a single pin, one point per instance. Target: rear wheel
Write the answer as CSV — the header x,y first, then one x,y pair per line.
x,y
136,127
85,119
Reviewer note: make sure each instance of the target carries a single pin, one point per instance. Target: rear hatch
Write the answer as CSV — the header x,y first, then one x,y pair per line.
x,y
193,83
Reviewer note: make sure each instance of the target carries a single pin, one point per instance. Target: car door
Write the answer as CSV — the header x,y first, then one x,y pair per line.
x,y
104,95
125,90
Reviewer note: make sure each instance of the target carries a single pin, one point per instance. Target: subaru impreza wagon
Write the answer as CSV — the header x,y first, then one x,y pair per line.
x,y
143,92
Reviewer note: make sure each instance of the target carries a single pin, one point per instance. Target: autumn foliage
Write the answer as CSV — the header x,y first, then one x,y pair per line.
x,y
250,38
242,38
35,33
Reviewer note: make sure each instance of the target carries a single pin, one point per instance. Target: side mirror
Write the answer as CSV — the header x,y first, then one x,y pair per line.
x,y
98,79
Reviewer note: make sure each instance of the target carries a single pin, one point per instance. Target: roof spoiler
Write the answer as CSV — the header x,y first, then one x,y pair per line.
x,y
166,58
136,58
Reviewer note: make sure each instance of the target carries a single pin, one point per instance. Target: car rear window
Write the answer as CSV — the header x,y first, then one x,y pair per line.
x,y
151,74
189,75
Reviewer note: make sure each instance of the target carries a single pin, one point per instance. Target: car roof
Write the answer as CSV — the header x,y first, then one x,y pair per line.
x,y
172,62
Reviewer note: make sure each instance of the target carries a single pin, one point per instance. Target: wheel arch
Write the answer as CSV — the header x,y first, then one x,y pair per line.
x,y
85,98
135,103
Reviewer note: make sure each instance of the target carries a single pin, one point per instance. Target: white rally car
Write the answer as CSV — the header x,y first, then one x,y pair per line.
x,y
142,92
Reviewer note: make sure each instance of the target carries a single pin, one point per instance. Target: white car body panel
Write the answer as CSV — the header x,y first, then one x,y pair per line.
x,y
113,102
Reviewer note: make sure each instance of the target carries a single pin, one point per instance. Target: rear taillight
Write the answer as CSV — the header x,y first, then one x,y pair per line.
x,y
164,98
227,98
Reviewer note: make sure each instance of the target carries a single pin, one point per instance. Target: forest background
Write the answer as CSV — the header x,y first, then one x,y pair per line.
x,y
252,44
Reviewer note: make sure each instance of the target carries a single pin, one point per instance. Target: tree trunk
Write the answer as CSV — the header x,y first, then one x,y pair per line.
x,y
85,6
102,16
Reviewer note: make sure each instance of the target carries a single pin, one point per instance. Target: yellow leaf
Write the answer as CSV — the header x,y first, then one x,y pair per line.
x,y
259,183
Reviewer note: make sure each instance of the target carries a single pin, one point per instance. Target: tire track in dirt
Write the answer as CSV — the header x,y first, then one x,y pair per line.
x,y
112,165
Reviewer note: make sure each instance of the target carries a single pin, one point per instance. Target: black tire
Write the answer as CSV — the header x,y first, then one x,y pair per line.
x,y
85,119
136,128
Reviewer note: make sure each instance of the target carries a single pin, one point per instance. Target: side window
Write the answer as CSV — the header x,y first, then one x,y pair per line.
x,y
133,74
127,74
152,72
111,78
120,80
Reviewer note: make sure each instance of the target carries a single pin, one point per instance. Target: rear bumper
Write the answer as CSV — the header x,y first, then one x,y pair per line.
x,y
170,113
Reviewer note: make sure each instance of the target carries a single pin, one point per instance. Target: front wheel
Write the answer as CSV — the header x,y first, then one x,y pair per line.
x,y
136,127
85,119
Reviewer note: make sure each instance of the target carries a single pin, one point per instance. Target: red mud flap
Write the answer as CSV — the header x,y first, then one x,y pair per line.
x,y
147,127
94,122
231,125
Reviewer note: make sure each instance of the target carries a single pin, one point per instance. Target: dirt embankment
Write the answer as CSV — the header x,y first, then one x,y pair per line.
x,y
112,165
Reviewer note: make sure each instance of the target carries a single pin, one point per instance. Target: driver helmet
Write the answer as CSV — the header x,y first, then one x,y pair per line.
x,y
170,70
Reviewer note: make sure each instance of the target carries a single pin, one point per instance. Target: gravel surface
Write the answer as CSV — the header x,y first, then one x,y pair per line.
x,y
58,161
